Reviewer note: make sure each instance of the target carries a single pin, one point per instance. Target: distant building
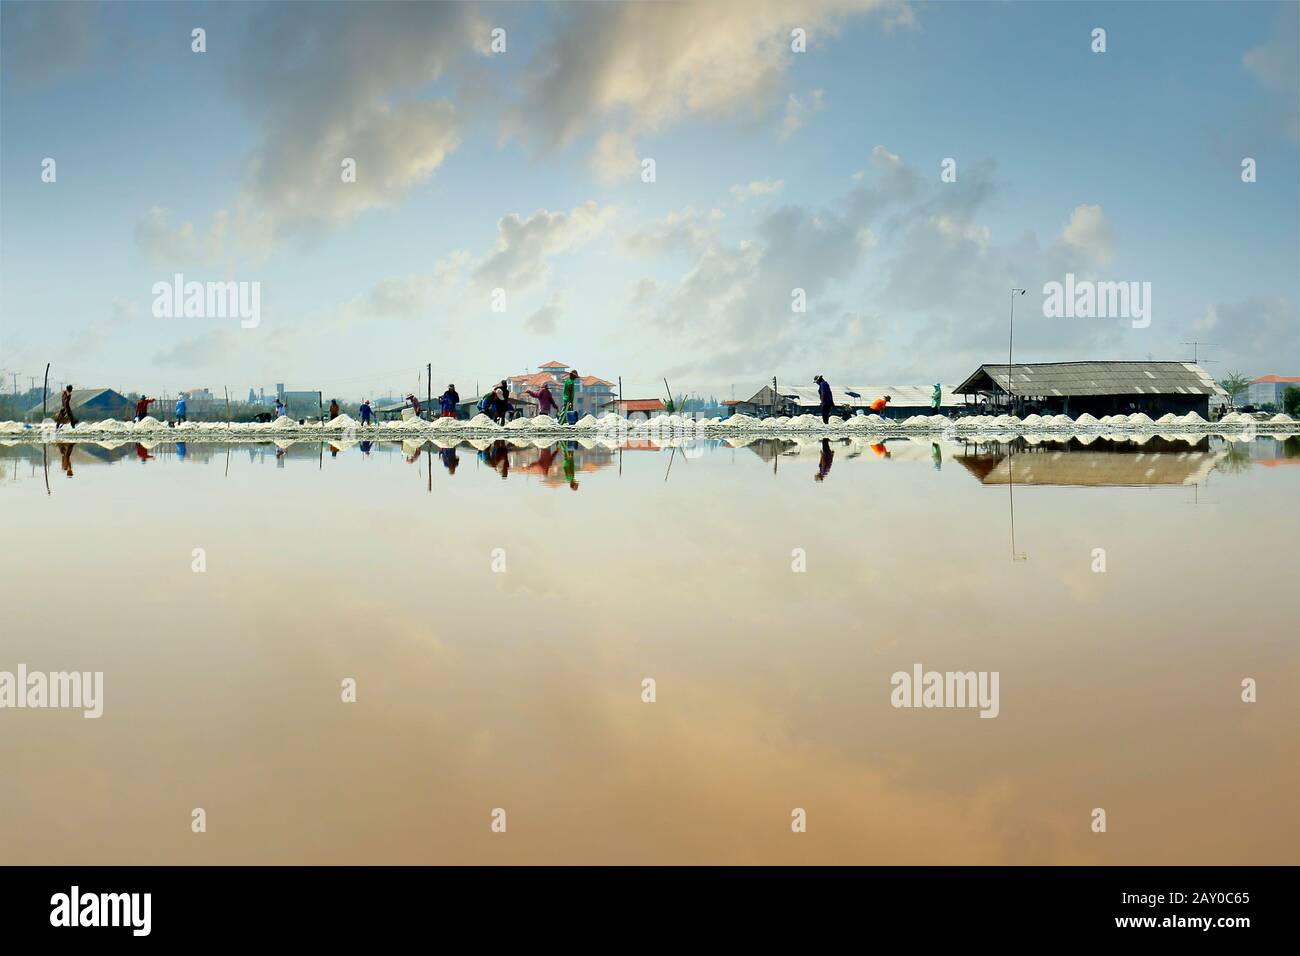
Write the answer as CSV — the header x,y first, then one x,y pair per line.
x,y
590,395
637,409
1097,388
1268,389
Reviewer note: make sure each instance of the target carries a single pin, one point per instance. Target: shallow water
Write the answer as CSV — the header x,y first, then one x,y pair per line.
x,y
499,632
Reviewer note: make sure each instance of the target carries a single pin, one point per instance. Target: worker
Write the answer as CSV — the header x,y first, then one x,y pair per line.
x,y
279,408
448,401
334,408
824,395
499,402
181,408
878,406
142,407
64,415
936,398
570,387
415,403
545,400
365,411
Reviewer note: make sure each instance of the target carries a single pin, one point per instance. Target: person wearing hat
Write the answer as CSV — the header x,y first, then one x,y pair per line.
x,y
448,401
824,395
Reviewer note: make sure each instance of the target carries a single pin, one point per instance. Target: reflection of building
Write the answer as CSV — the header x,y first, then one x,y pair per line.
x,y
1100,463
1268,390
589,395
1097,388
904,400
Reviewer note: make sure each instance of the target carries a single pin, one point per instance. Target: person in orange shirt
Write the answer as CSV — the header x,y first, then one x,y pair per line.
x,y
879,404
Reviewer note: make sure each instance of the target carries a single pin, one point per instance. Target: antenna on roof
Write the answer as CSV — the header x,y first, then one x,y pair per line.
x,y
1196,350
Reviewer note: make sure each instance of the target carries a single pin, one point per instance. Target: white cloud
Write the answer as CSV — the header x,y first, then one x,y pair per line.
x,y
797,111
1275,64
1089,236
759,187
543,321
524,245
679,232
621,70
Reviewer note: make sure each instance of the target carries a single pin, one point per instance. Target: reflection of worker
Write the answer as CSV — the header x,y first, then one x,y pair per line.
x,y
880,450
824,464
142,453
570,471
936,456
449,459
65,458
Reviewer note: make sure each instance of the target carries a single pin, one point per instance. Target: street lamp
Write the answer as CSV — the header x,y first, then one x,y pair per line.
x,y
1010,336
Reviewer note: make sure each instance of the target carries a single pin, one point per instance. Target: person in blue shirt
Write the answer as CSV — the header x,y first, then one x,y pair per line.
x,y
365,412
448,401
181,408
824,394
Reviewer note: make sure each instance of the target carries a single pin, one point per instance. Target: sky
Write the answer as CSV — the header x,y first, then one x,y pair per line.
x,y
500,215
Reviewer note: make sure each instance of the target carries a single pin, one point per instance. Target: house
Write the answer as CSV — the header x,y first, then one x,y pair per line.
x,y
88,404
590,395
1268,390
904,400
1097,388
637,409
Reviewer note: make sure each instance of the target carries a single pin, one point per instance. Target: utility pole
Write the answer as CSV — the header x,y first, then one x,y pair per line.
x,y
46,394
428,405
1010,335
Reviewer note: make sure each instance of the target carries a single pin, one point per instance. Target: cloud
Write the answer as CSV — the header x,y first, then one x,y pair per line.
x,y
524,245
1089,236
543,321
1260,336
181,246
622,70
798,110
686,232
44,43
759,187
1275,65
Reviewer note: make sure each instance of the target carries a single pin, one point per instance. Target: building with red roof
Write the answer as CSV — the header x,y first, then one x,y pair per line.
x,y
1268,389
590,396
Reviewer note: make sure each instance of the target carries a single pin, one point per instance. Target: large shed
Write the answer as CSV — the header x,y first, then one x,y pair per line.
x,y
88,404
1098,388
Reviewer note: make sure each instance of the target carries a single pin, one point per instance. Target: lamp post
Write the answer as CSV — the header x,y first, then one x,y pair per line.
x,y
1010,337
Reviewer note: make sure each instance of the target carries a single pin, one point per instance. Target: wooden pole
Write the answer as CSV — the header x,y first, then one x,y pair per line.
x,y
227,391
45,394
428,404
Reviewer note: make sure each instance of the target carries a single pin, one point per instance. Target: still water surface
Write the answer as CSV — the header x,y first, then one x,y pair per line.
x,y
522,688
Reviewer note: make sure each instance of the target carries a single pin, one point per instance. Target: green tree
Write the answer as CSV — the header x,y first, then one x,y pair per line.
x,y
1234,385
1291,401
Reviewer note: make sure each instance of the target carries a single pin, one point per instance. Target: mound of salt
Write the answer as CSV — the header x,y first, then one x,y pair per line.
x,y
1086,420
740,420
1191,418
1140,418
518,423
1230,419
1166,418
480,421
343,421
283,422
835,420
546,421
586,421
149,423
1280,418
1032,420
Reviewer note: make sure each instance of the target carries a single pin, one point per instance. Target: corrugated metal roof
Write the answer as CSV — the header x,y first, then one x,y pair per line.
x,y
1096,378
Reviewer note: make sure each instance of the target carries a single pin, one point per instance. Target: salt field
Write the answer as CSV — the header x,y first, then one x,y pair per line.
x,y
499,600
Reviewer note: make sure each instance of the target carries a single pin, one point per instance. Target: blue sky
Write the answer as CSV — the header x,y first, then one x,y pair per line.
x,y
520,171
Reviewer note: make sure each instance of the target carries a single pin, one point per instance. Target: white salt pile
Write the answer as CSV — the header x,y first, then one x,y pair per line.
x,y
480,421
1032,420
586,421
1191,418
1230,419
1280,418
149,422
283,422
1141,419
343,421
1166,418
1086,420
